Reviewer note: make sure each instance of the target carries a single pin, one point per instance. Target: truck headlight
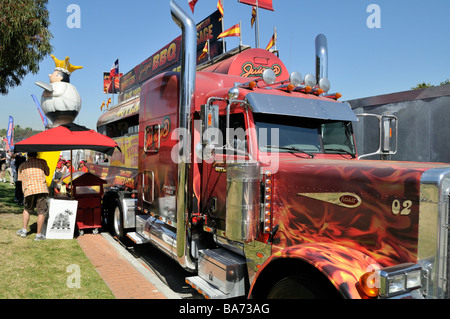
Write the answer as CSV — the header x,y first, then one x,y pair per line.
x,y
395,284
399,279
413,279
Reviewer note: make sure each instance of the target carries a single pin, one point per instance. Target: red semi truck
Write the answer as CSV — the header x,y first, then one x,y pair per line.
x,y
249,178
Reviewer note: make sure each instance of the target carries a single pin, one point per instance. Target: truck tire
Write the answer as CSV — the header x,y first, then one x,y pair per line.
x,y
300,287
117,221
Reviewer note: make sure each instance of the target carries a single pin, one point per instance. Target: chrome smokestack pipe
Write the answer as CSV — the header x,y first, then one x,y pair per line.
x,y
186,102
321,57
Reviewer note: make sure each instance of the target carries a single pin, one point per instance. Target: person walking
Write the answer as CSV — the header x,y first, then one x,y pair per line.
x,y
32,175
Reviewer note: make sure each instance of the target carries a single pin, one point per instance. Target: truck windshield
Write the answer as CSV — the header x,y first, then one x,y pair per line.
x,y
303,135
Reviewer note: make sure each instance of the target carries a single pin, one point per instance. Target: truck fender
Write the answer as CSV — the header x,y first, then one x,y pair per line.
x,y
342,266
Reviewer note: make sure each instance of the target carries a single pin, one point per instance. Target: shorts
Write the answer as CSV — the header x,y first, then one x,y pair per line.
x,y
3,166
38,201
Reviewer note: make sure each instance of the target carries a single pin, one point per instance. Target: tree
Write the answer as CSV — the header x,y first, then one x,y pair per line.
x,y
24,40
424,85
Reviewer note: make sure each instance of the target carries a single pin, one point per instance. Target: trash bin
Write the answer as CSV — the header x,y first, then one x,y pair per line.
x,y
88,191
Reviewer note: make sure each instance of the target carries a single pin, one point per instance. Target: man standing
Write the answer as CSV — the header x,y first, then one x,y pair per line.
x,y
32,174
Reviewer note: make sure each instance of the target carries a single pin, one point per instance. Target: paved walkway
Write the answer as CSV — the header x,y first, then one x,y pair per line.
x,y
127,277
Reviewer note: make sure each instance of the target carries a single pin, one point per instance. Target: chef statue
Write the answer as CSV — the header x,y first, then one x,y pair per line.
x,y
60,101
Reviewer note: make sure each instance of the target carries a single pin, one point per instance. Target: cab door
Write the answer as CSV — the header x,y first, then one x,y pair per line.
x,y
214,169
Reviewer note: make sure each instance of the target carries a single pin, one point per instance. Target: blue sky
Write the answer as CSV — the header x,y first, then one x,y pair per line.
x,y
411,46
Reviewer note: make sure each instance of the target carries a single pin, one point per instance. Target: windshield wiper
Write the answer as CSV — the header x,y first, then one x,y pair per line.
x,y
341,150
291,149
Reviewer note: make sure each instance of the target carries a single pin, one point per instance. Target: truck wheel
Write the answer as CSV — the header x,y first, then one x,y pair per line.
x,y
118,221
299,287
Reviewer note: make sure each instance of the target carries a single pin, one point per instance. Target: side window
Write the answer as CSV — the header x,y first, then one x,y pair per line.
x,y
152,140
237,136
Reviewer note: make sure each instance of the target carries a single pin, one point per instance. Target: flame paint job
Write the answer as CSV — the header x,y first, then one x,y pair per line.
x,y
343,240
372,227
342,265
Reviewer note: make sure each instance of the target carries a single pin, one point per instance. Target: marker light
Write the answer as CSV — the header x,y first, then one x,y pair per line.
x,y
335,96
316,91
267,201
367,283
290,87
303,89
286,87
252,85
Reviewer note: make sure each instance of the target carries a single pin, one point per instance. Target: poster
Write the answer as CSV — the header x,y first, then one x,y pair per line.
x,y
61,219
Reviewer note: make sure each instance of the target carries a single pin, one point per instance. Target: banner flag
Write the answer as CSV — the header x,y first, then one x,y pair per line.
x,y
253,16
192,4
263,4
272,42
204,52
234,31
41,112
220,7
10,133
114,69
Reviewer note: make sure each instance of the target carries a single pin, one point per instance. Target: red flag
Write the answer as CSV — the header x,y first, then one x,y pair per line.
x,y
263,4
205,51
220,7
272,42
234,31
192,4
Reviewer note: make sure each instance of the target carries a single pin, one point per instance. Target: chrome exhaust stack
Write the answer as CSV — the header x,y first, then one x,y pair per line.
x,y
321,58
186,102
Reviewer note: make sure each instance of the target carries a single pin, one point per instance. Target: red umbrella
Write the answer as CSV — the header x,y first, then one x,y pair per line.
x,y
67,137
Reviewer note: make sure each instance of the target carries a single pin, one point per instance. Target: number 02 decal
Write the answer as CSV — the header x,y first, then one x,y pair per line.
x,y
402,209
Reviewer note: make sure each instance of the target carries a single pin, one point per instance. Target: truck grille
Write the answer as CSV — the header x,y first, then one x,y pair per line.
x,y
446,235
434,233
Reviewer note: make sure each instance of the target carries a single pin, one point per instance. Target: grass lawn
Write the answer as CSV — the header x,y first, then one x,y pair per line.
x,y
42,270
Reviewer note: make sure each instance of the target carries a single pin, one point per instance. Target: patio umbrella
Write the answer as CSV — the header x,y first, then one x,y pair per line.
x,y
67,137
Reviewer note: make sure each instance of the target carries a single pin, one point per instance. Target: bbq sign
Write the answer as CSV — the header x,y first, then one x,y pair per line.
x,y
168,58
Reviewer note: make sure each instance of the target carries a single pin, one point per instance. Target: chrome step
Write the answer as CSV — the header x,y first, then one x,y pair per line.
x,y
206,289
137,239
